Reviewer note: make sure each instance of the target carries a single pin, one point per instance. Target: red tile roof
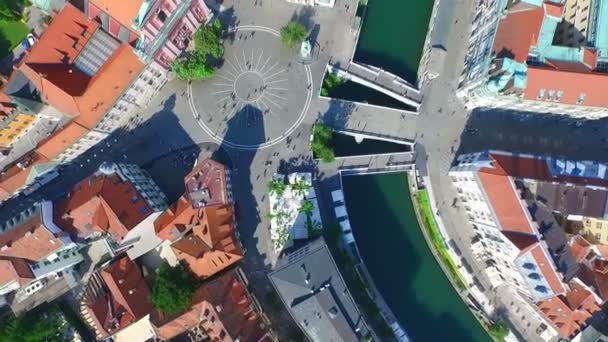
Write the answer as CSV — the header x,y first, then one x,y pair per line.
x,y
517,31
58,142
571,83
570,312
505,203
176,219
124,11
212,245
220,305
547,269
29,240
126,300
554,10
206,184
15,176
15,270
102,203
579,247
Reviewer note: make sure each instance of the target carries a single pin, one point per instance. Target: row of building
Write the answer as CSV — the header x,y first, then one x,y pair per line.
x,y
111,232
540,227
89,72
538,55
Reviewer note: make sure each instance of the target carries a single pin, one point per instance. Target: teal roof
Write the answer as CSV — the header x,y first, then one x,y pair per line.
x,y
38,170
512,70
601,28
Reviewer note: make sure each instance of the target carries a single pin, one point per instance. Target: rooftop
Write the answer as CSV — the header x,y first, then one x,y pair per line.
x,y
104,204
569,312
570,199
223,307
125,12
121,301
206,184
314,293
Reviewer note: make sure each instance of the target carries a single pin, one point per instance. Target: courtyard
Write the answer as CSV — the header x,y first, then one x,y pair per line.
x,y
258,96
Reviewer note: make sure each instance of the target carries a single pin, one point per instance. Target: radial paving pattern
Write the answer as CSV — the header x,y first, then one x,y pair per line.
x,y
258,97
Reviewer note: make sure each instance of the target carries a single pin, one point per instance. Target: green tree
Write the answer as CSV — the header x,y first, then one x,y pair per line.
x,y
34,326
300,187
499,331
207,40
321,140
9,10
306,207
277,187
330,82
293,34
192,67
173,289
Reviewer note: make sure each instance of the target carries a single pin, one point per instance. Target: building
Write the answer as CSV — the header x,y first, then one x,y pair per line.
x,y
208,184
120,201
200,225
115,297
36,258
78,72
515,203
547,56
223,309
160,30
314,293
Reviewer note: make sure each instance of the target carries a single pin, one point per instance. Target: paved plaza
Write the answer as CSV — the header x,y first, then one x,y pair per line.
x,y
258,97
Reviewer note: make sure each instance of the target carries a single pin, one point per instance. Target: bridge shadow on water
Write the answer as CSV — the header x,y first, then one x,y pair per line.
x,y
401,264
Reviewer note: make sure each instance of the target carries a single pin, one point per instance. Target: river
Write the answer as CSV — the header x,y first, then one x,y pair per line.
x,y
403,268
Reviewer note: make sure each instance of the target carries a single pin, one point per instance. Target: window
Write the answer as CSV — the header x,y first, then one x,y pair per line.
x,y
541,94
162,16
581,98
598,225
598,236
550,96
559,95
588,223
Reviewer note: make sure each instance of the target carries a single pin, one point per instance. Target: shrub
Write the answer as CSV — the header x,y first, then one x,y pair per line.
x,y
293,34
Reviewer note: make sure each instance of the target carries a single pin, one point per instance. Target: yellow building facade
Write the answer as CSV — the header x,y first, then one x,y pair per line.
x,y
14,128
597,229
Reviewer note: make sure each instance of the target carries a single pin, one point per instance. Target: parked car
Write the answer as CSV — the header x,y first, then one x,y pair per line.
x,y
30,39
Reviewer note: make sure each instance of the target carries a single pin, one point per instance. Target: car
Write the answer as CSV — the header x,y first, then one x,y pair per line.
x,y
30,39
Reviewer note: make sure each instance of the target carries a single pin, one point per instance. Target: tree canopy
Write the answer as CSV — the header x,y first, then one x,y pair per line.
x,y
499,331
10,10
198,64
277,187
293,34
173,289
192,67
321,139
306,207
330,82
34,326
207,40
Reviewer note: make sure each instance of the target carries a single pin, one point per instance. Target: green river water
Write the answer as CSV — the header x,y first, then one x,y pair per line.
x,y
402,266
393,35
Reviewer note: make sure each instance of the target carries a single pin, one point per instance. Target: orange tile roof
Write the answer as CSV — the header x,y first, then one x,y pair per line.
x,y
124,11
547,269
15,270
61,140
517,31
176,219
554,10
571,83
29,240
570,312
50,67
107,85
505,203
48,62
15,176
579,247
236,317
103,204
126,300
211,246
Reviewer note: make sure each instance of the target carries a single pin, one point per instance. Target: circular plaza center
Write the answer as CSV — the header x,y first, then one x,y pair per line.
x,y
260,94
